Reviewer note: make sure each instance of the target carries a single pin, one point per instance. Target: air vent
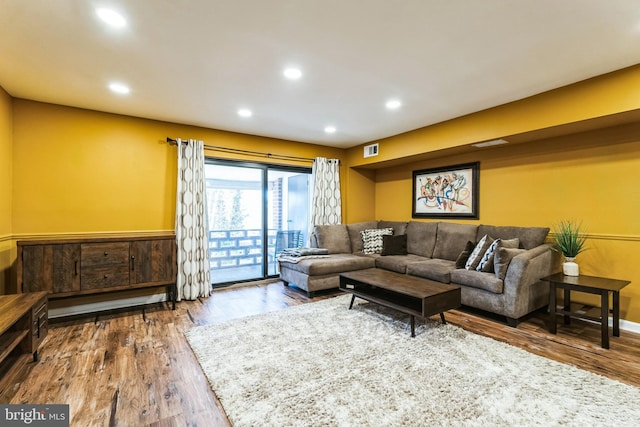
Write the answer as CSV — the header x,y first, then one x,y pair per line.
x,y
371,150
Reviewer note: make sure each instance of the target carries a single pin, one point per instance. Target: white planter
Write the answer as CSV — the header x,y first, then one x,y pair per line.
x,y
570,268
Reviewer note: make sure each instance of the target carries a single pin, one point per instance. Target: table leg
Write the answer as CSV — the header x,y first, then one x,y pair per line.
x,y
604,325
413,326
552,308
616,314
444,322
353,297
567,306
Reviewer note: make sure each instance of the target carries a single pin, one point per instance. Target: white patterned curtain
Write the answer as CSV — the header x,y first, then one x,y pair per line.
x,y
327,205
191,223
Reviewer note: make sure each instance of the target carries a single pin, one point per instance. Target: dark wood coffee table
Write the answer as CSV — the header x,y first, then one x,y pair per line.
x,y
412,295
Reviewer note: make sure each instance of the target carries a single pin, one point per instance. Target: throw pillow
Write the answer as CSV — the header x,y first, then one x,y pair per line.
x,y
478,251
464,255
486,262
394,245
511,243
372,239
502,259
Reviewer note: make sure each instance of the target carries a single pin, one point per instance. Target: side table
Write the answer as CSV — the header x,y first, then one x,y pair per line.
x,y
589,284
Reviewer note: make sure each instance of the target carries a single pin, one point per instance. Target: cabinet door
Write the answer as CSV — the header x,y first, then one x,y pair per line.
x,y
153,261
51,268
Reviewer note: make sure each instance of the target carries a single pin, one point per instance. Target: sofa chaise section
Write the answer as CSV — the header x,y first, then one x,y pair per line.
x,y
317,274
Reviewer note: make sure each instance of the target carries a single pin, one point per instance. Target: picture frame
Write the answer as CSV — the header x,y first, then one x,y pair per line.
x,y
446,192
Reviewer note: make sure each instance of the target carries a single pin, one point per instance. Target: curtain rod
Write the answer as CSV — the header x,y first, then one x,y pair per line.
x,y
172,141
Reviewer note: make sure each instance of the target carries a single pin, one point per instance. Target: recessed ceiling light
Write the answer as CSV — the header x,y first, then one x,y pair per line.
x,y
111,17
292,73
243,112
119,88
330,129
393,104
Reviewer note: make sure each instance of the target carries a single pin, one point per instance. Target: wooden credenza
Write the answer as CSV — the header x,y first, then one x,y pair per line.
x,y
71,267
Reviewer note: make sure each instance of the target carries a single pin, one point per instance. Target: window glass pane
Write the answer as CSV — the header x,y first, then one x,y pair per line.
x,y
234,208
288,217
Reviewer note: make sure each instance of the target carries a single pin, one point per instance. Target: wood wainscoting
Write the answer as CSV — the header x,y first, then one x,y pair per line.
x,y
135,368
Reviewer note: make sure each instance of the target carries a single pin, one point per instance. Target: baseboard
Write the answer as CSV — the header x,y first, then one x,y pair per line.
x,y
626,325
92,307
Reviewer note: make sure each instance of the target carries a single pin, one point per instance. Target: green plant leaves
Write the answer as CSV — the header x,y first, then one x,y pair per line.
x,y
570,238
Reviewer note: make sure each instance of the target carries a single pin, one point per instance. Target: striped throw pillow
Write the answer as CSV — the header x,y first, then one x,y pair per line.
x,y
478,251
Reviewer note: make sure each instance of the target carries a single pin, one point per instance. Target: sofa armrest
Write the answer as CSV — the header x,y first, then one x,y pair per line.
x,y
522,287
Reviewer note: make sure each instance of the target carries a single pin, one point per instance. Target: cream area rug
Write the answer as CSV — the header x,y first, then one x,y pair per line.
x,y
321,364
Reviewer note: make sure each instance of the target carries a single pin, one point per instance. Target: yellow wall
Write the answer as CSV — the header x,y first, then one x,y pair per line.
x,y
6,177
84,172
359,200
80,171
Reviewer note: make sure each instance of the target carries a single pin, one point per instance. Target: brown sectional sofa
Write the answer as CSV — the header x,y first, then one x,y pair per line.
x,y
512,289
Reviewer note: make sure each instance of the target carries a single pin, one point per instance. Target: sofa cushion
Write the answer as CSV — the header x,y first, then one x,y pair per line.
x,y
394,245
397,263
333,237
477,279
372,239
335,263
434,269
464,255
421,238
478,252
530,237
452,238
502,259
399,227
355,236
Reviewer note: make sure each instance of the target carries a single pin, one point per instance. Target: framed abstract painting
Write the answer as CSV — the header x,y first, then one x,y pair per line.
x,y
446,192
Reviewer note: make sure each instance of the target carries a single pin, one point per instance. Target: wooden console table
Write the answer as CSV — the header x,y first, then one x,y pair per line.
x,y
593,285
23,323
86,266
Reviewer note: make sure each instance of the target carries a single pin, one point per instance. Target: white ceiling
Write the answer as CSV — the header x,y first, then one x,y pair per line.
x,y
197,62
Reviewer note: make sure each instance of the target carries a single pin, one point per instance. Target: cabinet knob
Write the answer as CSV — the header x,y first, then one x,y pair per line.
x,y
106,254
106,277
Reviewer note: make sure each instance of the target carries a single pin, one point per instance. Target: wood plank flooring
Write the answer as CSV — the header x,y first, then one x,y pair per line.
x,y
135,368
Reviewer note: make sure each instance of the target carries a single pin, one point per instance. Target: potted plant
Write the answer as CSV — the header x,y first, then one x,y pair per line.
x,y
570,239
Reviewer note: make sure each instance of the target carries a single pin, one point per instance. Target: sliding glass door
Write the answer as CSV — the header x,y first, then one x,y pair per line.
x,y
254,212
288,198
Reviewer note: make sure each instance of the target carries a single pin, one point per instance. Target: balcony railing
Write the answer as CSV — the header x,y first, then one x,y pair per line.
x,y
237,255
239,248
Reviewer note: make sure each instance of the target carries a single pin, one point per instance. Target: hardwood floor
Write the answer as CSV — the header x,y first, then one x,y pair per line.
x,y
135,368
